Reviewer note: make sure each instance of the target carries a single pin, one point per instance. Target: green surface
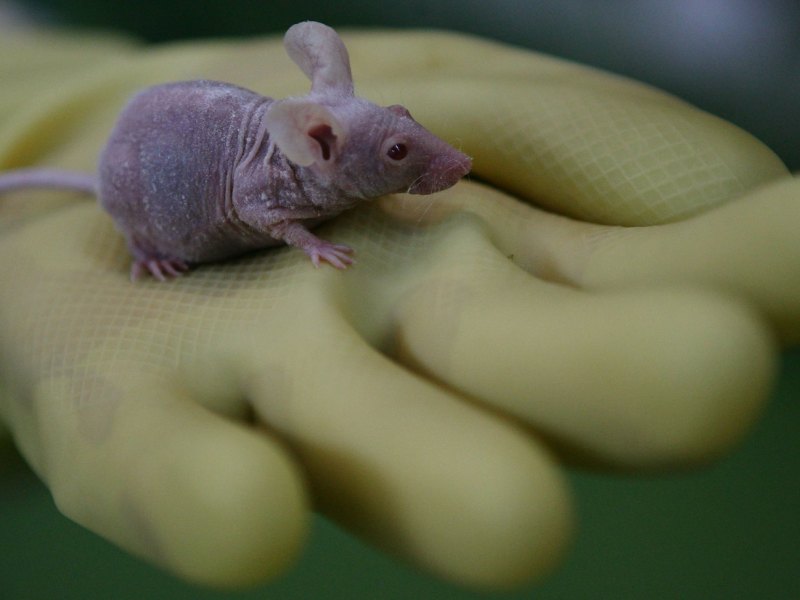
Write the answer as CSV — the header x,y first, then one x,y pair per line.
x,y
731,531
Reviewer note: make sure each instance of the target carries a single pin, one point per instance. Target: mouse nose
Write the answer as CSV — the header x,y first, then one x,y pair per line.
x,y
444,172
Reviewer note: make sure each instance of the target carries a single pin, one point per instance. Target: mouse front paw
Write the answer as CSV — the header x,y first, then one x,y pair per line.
x,y
160,268
295,234
336,255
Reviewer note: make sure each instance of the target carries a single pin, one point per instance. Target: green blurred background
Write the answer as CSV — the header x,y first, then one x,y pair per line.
x,y
730,531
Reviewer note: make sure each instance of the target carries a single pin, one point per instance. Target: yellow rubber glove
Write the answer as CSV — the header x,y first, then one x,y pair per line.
x,y
426,398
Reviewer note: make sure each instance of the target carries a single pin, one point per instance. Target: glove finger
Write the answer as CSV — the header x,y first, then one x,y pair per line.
x,y
407,465
596,153
749,247
150,470
636,379
547,245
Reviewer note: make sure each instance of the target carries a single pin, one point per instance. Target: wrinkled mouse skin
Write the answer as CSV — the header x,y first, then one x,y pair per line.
x,y
200,171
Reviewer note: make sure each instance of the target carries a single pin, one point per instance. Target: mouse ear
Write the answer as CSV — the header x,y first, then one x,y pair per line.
x,y
320,53
306,132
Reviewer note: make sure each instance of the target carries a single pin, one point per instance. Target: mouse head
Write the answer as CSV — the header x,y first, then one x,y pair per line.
x,y
363,149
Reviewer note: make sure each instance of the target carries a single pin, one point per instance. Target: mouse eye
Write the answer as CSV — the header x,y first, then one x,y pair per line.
x,y
397,152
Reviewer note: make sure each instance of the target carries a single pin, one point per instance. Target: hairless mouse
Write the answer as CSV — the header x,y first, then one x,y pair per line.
x,y
199,171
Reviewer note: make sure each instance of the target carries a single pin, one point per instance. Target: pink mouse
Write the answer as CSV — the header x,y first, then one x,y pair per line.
x,y
200,171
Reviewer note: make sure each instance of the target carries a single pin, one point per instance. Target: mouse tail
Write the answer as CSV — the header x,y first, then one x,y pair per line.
x,y
48,178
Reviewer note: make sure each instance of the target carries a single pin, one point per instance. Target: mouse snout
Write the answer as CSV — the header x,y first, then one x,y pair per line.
x,y
444,172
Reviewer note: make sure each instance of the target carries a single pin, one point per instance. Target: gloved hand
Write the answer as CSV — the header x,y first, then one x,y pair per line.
x,y
427,397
